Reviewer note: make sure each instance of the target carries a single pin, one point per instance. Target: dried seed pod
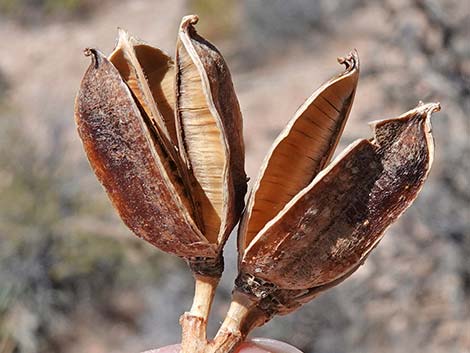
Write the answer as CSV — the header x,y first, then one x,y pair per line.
x,y
165,140
306,144
210,131
191,104
124,121
150,74
132,165
328,229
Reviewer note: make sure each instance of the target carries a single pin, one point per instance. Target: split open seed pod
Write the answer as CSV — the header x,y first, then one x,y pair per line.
x,y
301,150
165,140
298,154
328,228
328,224
209,131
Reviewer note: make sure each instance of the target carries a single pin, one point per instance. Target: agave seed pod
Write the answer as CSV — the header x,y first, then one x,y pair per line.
x,y
330,226
150,74
301,150
132,165
210,131
175,174
326,231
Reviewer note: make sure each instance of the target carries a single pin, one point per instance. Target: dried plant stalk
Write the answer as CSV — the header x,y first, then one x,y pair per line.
x,y
194,322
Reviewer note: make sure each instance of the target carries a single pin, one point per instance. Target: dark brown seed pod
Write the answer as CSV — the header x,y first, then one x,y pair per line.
x,y
165,139
150,74
193,131
326,231
132,165
333,223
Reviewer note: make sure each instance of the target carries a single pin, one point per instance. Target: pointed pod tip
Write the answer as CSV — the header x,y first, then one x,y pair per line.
x,y
425,110
123,36
351,61
187,21
126,39
122,32
430,108
95,56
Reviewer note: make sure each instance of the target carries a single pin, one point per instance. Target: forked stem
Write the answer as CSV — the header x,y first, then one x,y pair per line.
x,y
243,316
194,322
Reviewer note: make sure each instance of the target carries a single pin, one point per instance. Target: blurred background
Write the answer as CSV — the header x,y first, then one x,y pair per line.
x,y
74,279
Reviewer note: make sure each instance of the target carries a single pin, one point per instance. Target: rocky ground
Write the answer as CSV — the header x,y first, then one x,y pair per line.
x,y
72,276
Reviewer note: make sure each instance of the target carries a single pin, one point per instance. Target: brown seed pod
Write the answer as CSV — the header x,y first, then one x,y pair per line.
x,y
165,139
150,75
326,231
210,131
179,130
305,145
132,165
332,224
166,142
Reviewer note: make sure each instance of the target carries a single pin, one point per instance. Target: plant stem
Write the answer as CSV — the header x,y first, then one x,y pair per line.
x,y
194,322
242,317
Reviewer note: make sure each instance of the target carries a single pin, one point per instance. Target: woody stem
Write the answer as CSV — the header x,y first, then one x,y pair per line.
x,y
242,317
194,322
